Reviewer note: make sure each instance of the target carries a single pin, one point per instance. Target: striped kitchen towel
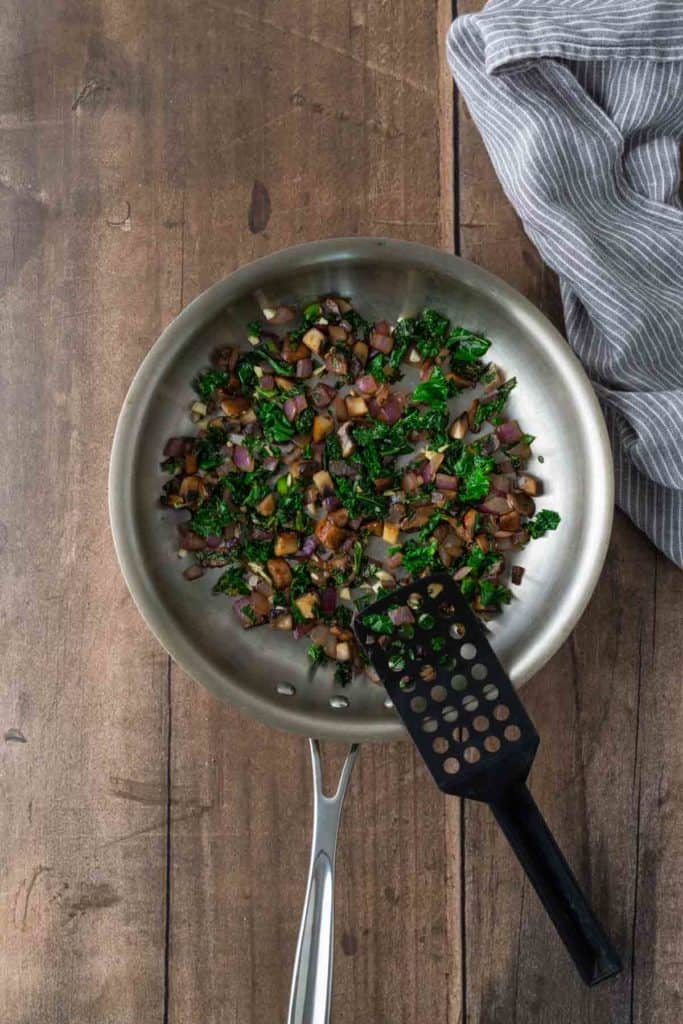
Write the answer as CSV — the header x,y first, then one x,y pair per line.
x,y
580,105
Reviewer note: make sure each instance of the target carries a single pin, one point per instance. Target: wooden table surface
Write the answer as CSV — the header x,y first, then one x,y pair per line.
x,y
154,843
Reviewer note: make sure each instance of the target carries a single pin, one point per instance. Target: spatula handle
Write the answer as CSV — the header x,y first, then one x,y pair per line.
x,y
590,948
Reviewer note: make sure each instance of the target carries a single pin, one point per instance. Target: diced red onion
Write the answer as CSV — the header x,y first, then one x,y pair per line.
x,y
174,447
304,367
355,523
367,384
446,482
300,403
193,572
289,409
339,467
460,574
381,342
321,395
309,545
213,542
242,458
506,468
500,484
494,505
260,534
328,601
318,451
391,411
267,382
401,616
271,463
393,561
301,629
509,432
382,327
332,502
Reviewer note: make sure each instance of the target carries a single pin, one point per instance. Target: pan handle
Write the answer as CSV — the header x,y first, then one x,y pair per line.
x,y
309,1001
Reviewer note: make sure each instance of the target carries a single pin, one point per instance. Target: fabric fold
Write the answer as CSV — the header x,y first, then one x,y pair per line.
x,y
580,105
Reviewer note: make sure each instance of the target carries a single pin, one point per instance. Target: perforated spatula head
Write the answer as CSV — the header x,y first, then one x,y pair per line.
x,y
472,731
452,693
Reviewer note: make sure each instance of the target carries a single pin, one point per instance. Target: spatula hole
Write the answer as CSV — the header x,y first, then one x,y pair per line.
x,y
434,589
501,712
512,733
406,684
438,693
471,755
449,713
427,673
429,724
426,621
438,643
492,744
478,671
457,630
459,682
396,662
481,723
418,705
461,734
470,703
451,766
468,651
440,745
490,692
414,601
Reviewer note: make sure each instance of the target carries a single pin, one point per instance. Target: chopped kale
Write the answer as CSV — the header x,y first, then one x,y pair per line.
x,y
493,405
207,382
316,653
257,551
232,582
466,347
433,392
474,472
543,521
276,426
211,517
379,622
493,594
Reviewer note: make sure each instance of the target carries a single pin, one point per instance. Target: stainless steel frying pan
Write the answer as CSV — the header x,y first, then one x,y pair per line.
x,y
265,673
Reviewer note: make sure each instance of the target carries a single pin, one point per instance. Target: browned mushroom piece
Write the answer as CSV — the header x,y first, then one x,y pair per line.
x,y
266,507
337,334
329,534
469,522
235,405
459,427
346,441
293,352
313,339
322,426
521,502
286,544
356,407
510,521
516,574
259,602
307,605
279,572
284,621
530,484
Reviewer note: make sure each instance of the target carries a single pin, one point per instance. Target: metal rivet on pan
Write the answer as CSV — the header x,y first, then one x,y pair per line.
x,y
286,689
388,703
339,702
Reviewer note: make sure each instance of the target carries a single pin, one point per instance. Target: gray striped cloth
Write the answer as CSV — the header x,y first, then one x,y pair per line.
x,y
580,104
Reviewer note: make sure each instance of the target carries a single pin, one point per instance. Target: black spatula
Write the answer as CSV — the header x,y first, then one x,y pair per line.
x,y
477,740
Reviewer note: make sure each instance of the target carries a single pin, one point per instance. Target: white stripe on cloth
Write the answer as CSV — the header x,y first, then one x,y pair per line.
x,y
580,105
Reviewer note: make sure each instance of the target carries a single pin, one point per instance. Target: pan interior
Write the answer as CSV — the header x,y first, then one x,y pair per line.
x,y
266,673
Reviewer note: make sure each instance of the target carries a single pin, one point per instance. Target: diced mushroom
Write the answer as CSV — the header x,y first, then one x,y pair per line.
x,y
234,405
361,352
469,522
267,506
459,427
339,516
356,407
194,572
322,426
286,544
521,502
529,484
260,603
313,339
510,521
329,534
279,572
307,605
345,440
283,621
482,542
390,532
516,574
343,652
323,481
292,352
285,383
192,487
337,333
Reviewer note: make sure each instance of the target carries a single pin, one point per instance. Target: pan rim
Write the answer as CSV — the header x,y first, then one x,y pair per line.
x,y
188,655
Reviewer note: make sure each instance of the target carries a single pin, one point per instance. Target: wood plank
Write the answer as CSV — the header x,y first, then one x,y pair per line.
x,y
332,109
608,767
89,275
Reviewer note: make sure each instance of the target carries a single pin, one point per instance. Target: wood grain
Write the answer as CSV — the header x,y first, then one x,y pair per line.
x,y
332,111
89,276
608,773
